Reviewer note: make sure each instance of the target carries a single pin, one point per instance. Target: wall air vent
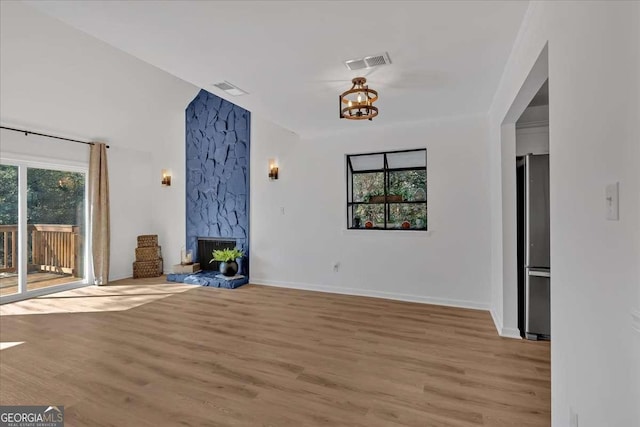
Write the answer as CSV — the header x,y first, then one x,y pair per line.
x,y
368,61
230,89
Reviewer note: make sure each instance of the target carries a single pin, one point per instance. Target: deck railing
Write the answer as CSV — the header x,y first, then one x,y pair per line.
x,y
9,258
53,248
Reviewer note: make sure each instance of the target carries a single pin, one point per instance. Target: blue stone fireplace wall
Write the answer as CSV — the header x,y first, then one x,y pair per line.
x,y
217,181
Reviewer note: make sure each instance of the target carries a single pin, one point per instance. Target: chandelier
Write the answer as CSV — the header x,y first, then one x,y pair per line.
x,y
357,102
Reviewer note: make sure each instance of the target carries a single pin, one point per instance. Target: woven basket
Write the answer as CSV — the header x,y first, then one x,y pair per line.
x,y
147,269
147,240
151,253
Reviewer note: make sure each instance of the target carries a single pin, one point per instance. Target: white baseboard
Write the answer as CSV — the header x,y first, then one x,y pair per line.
x,y
502,331
371,293
510,333
496,321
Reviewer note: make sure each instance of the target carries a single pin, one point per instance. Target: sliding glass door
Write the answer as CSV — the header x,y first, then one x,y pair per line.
x,y
9,242
55,227
43,228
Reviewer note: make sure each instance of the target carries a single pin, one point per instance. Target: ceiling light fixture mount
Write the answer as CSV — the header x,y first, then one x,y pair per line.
x,y
357,102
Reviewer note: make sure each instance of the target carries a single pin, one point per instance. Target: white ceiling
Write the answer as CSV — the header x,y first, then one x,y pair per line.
x,y
448,56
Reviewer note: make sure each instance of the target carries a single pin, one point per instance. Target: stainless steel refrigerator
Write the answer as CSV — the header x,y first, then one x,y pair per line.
x,y
533,252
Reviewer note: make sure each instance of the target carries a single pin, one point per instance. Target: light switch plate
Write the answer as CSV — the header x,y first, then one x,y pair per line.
x,y
612,202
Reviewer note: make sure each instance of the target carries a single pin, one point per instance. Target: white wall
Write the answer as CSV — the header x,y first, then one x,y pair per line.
x,y
450,264
535,115
532,140
532,131
59,80
168,205
16,146
594,140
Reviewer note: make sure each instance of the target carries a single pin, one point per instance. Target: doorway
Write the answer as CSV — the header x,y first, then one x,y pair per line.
x,y
523,123
533,218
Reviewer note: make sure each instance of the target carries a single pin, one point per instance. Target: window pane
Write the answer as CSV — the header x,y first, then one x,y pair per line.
x,y
367,162
55,227
8,230
411,185
367,185
407,216
364,213
408,159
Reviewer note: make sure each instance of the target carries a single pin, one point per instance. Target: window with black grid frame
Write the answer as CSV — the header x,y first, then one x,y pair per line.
x,y
387,190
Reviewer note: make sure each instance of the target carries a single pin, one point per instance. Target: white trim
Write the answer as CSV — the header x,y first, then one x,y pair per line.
x,y
510,333
5,299
88,241
23,238
496,321
374,294
502,331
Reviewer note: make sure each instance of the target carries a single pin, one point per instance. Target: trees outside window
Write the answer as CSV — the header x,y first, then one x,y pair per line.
x,y
50,230
388,190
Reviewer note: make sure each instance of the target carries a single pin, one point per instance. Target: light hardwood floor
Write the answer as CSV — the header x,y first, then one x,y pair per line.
x,y
261,356
35,280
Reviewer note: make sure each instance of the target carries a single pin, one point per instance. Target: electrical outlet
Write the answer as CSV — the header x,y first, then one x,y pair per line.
x,y
573,418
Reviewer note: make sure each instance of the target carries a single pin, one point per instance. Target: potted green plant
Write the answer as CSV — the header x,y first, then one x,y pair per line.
x,y
227,259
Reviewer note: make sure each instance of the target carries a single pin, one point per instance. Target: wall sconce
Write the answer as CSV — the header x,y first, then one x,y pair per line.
x,y
166,178
273,169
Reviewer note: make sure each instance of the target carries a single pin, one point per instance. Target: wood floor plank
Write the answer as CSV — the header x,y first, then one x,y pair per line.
x,y
148,353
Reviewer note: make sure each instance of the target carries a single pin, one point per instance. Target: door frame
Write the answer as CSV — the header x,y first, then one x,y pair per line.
x,y
535,79
23,162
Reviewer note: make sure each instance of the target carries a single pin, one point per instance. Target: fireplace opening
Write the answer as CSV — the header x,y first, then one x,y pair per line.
x,y
206,245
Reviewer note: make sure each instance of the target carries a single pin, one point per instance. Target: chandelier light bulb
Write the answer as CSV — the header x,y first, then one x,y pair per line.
x,y
357,103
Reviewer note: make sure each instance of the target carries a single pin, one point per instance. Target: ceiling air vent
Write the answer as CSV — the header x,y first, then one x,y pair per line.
x,y
368,61
355,64
230,89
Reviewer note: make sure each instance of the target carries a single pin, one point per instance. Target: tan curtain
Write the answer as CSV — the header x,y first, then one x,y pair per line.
x,y
99,213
